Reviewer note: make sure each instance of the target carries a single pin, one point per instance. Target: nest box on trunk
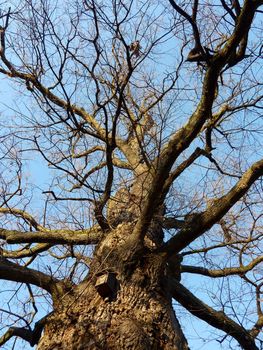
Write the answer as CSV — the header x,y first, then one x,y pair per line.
x,y
107,285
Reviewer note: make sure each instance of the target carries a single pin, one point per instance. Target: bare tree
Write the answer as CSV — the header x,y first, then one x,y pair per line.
x,y
148,118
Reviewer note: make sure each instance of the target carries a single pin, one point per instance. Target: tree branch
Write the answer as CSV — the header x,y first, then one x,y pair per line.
x,y
23,214
182,139
13,272
229,271
202,222
31,336
191,20
26,252
217,319
54,237
46,92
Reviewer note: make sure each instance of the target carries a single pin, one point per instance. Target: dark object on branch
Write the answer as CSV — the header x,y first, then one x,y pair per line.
x,y
29,86
198,54
135,48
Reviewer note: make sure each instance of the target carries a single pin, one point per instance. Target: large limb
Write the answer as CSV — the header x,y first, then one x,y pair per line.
x,y
217,319
42,235
31,336
54,237
202,222
228,271
182,139
13,272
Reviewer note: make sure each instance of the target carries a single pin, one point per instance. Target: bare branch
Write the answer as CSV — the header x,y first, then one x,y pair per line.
x,y
26,216
184,137
217,319
228,271
26,252
192,21
202,222
31,336
86,236
12,272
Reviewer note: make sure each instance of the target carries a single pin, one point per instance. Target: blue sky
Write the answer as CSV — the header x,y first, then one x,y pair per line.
x,y
40,175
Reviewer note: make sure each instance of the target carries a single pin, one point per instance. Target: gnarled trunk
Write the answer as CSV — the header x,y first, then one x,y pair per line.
x,y
131,310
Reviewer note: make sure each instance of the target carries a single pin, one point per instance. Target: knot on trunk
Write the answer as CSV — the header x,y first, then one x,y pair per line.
x,y
131,335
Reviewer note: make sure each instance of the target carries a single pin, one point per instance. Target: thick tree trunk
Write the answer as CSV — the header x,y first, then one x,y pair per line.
x,y
134,313
138,319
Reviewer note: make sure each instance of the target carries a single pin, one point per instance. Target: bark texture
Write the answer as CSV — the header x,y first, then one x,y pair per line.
x,y
138,315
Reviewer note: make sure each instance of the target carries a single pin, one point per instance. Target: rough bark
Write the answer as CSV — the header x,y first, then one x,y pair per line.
x,y
139,315
125,302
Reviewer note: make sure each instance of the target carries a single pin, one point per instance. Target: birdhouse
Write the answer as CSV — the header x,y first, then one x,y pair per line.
x,y
107,285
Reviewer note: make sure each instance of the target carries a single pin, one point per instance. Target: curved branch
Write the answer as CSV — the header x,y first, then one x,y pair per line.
x,y
182,139
26,252
191,20
217,319
24,333
222,245
202,222
228,9
229,271
181,168
30,79
26,216
31,336
13,272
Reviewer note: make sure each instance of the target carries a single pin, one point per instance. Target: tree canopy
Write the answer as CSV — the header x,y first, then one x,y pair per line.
x,y
138,124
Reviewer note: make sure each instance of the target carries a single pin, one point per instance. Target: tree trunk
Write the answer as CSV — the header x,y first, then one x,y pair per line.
x,y
131,310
